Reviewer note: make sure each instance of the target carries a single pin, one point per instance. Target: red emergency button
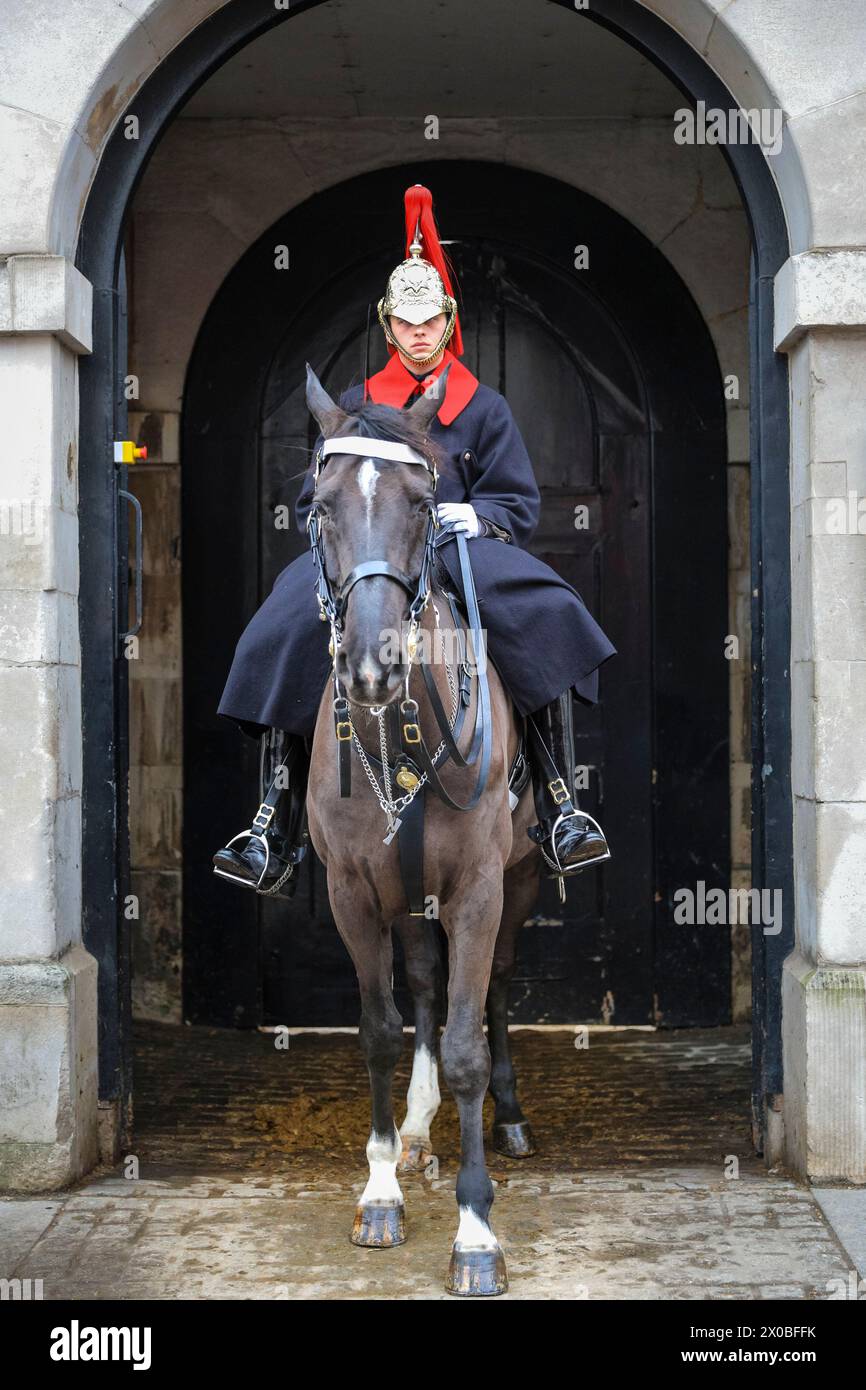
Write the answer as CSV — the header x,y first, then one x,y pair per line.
x,y
127,451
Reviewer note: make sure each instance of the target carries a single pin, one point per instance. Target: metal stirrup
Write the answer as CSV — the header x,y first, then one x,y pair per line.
x,y
260,823
584,863
235,878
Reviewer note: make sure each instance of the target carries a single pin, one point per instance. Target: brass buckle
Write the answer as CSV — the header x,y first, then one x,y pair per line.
x,y
411,731
558,790
344,730
263,817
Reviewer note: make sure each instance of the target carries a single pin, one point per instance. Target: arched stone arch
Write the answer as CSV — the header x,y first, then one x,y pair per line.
x,y
97,254
66,107
119,51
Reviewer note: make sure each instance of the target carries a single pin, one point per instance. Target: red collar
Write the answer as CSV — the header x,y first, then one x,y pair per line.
x,y
395,383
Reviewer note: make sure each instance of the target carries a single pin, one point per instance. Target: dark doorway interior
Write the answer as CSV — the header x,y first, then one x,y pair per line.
x,y
613,379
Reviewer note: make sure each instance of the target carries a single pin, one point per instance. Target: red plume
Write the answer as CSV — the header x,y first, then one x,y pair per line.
x,y
418,201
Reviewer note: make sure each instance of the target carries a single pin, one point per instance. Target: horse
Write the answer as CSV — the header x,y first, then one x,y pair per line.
x,y
481,869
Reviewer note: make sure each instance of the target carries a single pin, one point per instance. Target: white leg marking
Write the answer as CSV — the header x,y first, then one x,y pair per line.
x,y
423,1098
473,1233
383,1156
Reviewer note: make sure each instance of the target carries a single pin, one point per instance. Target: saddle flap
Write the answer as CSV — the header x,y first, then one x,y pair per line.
x,y
519,772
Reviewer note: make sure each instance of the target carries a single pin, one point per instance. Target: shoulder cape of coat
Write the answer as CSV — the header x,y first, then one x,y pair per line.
x,y
395,384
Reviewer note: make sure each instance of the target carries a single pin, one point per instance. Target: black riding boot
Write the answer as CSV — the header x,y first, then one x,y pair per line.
x,y
570,839
266,857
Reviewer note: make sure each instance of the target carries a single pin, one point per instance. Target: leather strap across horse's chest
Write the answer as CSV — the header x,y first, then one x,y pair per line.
x,y
414,754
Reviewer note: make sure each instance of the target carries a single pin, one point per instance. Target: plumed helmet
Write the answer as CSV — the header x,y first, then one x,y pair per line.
x,y
420,286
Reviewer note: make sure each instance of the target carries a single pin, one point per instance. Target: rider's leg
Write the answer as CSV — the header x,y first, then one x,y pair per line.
x,y
266,857
569,839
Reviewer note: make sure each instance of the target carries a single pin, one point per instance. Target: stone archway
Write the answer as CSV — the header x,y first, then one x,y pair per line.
x,y
771,850
149,68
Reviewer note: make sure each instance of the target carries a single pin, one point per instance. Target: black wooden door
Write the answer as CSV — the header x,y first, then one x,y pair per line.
x,y
617,417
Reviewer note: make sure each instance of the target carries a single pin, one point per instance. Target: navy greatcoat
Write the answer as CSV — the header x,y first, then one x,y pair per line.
x,y
540,636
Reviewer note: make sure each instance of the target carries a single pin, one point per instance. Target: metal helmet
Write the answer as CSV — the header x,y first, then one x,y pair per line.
x,y
420,286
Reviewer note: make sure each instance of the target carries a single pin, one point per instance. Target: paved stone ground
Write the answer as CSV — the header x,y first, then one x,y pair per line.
x,y
250,1160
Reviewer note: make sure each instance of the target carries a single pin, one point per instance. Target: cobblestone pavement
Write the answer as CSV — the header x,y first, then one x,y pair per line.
x,y
250,1160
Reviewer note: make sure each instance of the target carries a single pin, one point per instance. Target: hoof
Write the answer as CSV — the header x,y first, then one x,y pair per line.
x,y
477,1273
415,1156
514,1140
379,1225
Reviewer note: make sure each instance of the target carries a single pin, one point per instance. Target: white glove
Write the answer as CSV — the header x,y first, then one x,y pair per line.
x,y
462,514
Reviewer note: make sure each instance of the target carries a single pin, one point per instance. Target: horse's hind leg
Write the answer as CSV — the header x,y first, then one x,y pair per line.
x,y
380,1214
511,1133
419,938
477,1262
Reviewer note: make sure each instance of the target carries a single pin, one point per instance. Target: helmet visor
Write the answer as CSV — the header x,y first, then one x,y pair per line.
x,y
413,312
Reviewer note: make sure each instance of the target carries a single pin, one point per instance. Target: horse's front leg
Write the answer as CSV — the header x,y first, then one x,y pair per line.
x,y
512,1134
471,923
418,937
380,1214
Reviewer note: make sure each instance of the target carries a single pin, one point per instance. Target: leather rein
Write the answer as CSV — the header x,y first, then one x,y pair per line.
x,y
415,756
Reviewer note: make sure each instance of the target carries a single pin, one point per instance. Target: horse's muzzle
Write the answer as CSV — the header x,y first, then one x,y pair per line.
x,y
367,681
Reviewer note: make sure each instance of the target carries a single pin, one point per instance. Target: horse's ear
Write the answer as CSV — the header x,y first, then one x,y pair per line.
x,y
330,417
427,404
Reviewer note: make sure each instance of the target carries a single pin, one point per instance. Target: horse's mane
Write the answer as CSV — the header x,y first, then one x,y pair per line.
x,y
373,421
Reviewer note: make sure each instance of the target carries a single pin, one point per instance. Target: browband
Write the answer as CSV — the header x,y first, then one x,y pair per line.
x,y
373,448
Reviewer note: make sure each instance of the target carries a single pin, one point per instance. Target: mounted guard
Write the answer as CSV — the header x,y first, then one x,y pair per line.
x,y
538,633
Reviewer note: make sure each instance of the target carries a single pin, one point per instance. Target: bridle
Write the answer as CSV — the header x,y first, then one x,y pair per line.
x,y
332,608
